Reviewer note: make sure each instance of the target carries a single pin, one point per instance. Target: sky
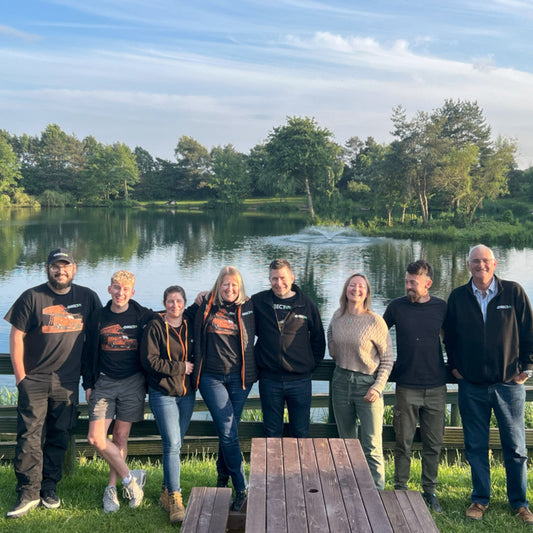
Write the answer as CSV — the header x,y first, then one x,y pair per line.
x,y
146,72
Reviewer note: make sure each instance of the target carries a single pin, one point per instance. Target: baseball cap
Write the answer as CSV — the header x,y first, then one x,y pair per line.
x,y
59,254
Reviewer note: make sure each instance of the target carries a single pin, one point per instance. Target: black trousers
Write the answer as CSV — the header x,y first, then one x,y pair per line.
x,y
46,413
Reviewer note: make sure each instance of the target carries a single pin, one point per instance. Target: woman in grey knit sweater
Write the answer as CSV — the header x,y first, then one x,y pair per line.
x,y
360,344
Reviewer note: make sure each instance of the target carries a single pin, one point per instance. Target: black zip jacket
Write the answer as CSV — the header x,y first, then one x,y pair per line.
x,y
496,350
295,351
90,367
245,319
164,351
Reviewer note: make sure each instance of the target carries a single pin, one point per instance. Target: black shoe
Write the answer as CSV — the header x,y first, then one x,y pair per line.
x,y
24,505
238,502
49,499
432,501
222,480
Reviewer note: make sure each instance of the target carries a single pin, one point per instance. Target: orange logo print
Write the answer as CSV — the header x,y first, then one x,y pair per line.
x,y
114,338
56,319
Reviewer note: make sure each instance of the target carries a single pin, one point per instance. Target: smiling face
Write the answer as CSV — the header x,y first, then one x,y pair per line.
x,y
121,294
482,265
174,305
417,287
357,291
60,275
229,288
281,282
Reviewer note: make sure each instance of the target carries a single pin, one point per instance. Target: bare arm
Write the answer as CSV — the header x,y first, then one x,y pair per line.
x,y
16,350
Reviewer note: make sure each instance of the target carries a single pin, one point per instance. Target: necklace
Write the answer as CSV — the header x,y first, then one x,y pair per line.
x,y
177,320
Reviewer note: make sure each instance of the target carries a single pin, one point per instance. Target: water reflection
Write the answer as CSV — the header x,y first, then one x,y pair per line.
x,y
167,247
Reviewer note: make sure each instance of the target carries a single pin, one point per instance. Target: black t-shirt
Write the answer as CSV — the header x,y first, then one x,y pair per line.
x,y
223,345
419,362
282,307
54,325
119,341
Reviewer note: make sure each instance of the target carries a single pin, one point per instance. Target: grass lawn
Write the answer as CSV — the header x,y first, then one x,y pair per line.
x,y
81,494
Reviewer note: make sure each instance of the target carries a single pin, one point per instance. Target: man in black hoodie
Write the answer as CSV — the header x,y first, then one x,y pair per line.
x,y
290,345
488,334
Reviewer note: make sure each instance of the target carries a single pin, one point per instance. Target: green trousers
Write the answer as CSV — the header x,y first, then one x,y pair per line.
x,y
427,407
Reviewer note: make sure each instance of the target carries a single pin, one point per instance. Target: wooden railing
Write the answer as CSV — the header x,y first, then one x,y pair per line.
x,y
201,436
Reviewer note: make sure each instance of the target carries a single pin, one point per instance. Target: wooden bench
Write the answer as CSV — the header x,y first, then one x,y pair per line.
x,y
407,511
207,510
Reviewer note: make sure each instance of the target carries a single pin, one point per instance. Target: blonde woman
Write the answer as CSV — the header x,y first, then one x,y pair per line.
x,y
360,344
225,369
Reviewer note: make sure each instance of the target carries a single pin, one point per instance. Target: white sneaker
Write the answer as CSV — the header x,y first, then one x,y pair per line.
x,y
133,490
110,499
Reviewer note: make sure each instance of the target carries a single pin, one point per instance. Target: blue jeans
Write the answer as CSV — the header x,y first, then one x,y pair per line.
x,y
172,415
225,399
297,394
348,390
508,402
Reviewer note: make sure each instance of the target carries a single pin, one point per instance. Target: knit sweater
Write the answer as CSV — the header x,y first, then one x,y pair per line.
x,y
361,343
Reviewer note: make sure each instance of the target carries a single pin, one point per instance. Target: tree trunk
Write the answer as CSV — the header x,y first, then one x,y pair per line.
x,y
309,199
424,207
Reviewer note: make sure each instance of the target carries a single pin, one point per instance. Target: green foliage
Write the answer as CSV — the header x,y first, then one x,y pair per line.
x,y
302,157
229,180
56,199
8,396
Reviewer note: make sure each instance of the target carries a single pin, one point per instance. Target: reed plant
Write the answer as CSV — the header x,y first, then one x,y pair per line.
x,y
8,396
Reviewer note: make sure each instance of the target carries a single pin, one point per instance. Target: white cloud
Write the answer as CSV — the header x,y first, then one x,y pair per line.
x,y
14,34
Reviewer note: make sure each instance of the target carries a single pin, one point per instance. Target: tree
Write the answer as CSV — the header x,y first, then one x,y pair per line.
x,y
490,181
304,154
195,162
389,180
111,171
229,181
9,172
421,148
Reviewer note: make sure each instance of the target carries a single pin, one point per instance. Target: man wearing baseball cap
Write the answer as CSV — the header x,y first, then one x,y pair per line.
x,y
46,344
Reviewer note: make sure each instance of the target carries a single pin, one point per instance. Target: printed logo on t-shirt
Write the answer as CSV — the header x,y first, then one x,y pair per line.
x,y
115,338
57,319
223,323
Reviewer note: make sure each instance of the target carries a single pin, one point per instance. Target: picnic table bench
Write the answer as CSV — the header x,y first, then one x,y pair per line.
x,y
207,510
320,485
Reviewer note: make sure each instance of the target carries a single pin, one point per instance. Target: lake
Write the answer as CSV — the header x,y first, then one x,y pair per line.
x,y
168,247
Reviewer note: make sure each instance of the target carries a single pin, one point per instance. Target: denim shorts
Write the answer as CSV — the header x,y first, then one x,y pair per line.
x,y
123,398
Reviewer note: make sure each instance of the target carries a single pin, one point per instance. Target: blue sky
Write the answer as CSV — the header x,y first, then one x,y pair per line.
x,y
145,72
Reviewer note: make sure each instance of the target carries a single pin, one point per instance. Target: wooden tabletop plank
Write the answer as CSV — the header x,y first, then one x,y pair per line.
x,y
336,513
296,511
373,504
256,505
317,521
353,501
276,510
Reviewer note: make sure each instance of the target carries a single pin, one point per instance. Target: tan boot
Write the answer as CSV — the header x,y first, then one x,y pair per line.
x,y
175,507
163,499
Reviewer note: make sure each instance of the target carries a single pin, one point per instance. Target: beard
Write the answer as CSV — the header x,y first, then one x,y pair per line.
x,y
413,296
57,285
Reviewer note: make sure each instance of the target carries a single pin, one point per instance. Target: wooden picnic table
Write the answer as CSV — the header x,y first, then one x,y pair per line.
x,y
318,485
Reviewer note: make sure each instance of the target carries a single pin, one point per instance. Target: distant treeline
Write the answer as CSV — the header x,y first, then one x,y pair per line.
x,y
443,161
